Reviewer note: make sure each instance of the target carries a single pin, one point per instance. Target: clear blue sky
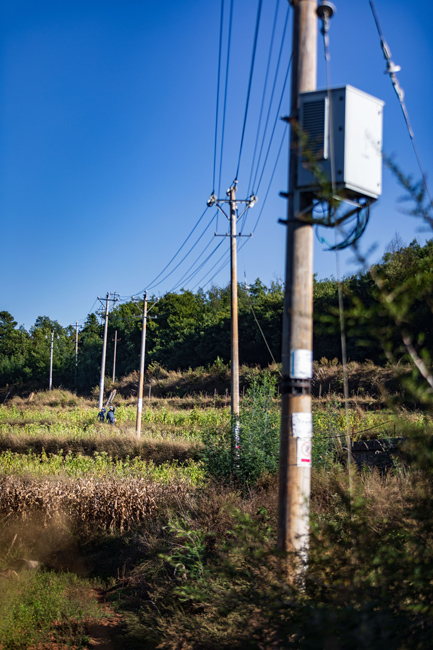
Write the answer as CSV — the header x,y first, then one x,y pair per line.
x,y
107,126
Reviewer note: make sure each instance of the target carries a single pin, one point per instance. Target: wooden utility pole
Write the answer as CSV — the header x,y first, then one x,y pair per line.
x,y
115,353
76,350
233,219
234,310
297,356
50,385
141,378
104,352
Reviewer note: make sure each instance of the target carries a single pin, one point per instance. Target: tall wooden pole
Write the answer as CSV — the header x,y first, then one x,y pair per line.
x,y
51,361
234,309
141,378
233,218
114,355
76,350
297,364
104,352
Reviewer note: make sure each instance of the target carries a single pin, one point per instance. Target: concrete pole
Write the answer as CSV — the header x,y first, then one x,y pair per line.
x,y
297,364
76,350
141,378
104,352
234,315
114,356
50,386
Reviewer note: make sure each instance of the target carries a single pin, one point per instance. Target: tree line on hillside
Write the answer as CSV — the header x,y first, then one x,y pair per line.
x,y
385,307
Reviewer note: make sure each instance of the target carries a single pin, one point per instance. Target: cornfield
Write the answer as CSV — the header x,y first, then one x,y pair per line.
x,y
108,504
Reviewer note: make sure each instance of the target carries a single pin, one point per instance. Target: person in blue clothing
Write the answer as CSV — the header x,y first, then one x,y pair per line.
x,y
101,414
110,415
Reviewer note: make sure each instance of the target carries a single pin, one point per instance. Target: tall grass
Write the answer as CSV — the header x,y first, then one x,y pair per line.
x,y
46,609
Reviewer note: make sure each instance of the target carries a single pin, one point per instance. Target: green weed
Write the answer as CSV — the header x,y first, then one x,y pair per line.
x,y
46,608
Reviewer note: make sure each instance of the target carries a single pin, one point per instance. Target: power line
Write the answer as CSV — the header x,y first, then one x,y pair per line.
x,y
226,254
264,90
218,92
155,284
258,324
225,93
267,121
259,9
83,320
391,69
194,273
185,275
173,258
275,123
270,181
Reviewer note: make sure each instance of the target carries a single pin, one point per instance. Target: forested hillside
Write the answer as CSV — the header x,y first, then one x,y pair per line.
x,y
383,305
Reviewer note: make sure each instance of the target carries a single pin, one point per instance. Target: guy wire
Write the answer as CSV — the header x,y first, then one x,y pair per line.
x,y
391,69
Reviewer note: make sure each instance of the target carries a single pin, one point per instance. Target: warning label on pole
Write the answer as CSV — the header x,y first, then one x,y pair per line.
x,y
303,452
302,430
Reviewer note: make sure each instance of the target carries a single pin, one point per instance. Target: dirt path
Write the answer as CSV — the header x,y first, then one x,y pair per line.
x,y
104,632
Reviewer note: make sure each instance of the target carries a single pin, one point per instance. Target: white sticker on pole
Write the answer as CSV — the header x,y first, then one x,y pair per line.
x,y
302,429
140,404
301,364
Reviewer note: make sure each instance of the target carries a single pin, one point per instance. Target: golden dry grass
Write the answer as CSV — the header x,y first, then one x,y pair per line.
x,y
89,503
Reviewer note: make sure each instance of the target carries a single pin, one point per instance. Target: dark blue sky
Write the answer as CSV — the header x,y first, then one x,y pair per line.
x,y
107,126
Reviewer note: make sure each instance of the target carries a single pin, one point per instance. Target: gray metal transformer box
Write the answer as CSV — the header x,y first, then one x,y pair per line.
x,y
343,128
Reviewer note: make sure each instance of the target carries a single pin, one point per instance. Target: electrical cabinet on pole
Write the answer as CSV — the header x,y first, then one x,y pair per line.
x,y
297,356
141,378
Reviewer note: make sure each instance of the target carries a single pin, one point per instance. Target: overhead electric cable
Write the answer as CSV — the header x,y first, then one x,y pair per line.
x,y
174,256
391,69
83,320
259,9
267,120
247,289
199,268
226,254
189,273
264,92
270,181
275,123
155,284
225,94
218,93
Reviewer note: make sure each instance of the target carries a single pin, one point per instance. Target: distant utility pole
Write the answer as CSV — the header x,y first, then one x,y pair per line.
x,y
104,346
297,355
141,377
233,219
76,350
115,353
50,386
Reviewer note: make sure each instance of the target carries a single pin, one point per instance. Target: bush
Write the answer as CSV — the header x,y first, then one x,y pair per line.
x,y
258,437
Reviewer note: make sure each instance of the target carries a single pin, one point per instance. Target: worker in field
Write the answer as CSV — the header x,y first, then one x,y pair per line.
x,y
110,415
101,414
